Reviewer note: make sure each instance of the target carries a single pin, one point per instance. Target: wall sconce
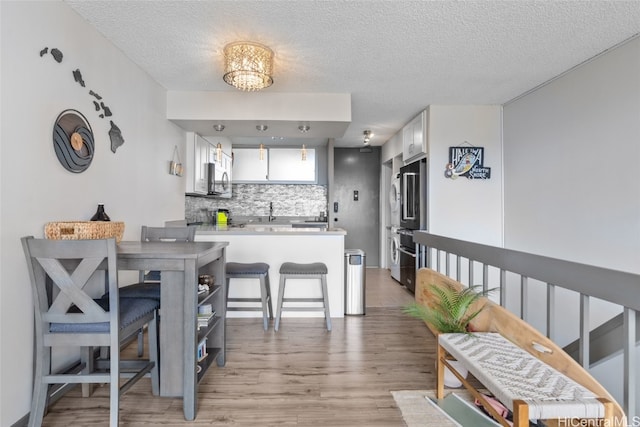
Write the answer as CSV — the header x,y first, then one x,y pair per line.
x,y
303,153
367,136
304,128
262,128
218,127
175,165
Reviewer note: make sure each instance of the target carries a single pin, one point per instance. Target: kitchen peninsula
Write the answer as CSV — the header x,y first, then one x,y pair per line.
x,y
275,244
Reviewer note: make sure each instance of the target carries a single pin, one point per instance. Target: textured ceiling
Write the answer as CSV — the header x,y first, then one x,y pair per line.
x,y
393,57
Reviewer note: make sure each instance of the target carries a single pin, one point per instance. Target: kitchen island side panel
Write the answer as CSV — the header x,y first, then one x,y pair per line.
x,y
275,249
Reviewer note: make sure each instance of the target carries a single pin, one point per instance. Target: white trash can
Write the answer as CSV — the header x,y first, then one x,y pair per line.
x,y
354,281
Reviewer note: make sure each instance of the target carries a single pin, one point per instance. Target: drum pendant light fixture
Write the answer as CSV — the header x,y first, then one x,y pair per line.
x,y
248,66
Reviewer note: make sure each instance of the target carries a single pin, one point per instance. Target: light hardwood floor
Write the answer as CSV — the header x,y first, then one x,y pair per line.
x,y
302,375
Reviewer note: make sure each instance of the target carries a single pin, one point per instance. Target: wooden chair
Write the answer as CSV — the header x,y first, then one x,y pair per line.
x,y
149,282
62,274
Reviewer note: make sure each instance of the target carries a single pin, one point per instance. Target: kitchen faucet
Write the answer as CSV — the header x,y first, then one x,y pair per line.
x,y
271,217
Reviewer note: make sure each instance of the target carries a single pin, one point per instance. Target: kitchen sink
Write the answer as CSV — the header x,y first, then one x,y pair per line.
x,y
310,224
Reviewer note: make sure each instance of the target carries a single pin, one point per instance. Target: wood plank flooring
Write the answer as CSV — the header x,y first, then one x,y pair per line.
x,y
300,376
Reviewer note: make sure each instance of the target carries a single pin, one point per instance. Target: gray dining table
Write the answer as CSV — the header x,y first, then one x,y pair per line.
x,y
180,264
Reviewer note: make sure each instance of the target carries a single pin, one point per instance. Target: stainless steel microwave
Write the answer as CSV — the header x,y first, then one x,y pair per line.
x,y
219,177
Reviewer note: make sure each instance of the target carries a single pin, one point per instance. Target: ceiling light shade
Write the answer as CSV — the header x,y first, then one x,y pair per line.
x,y
367,136
248,66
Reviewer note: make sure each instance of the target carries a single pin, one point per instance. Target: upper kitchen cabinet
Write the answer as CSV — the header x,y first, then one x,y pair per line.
x,y
415,137
290,165
249,165
196,168
201,154
278,166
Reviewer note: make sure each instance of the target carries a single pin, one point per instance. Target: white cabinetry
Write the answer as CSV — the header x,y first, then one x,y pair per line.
x,y
199,151
415,137
248,167
278,165
286,164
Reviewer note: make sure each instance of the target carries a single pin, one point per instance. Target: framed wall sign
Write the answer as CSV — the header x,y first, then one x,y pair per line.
x,y
467,161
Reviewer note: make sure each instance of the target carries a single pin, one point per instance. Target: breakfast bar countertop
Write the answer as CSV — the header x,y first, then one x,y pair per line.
x,y
267,229
275,244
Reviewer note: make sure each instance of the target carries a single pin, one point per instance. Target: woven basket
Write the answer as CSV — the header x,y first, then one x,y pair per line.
x,y
77,230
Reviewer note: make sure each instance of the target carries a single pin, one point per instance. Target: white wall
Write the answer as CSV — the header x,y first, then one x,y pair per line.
x,y
571,150
462,208
134,183
391,148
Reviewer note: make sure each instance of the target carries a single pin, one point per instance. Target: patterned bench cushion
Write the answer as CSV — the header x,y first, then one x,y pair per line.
x,y
510,373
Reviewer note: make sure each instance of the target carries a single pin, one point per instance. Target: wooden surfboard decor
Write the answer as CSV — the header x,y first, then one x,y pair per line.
x,y
495,318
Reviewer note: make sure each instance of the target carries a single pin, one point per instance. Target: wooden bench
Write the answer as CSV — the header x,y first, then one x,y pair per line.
x,y
529,387
501,338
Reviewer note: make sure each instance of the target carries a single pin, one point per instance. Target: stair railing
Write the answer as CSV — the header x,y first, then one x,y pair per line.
x,y
618,287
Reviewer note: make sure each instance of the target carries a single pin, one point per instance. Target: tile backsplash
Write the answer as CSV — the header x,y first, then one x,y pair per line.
x,y
253,200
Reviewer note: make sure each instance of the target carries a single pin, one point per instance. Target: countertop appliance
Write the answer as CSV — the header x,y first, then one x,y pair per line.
x,y
219,177
219,216
413,200
222,216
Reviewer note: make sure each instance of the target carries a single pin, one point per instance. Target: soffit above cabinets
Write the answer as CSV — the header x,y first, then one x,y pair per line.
x,y
327,115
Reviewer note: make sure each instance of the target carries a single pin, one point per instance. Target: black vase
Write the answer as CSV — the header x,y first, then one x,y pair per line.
x,y
100,215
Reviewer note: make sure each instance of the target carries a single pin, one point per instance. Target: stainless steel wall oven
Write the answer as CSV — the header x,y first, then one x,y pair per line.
x,y
413,203
407,251
413,216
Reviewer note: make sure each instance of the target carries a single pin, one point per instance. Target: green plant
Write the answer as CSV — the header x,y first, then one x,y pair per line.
x,y
450,312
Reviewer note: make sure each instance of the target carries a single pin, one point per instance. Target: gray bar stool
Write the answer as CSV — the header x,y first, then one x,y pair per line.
x,y
257,270
316,270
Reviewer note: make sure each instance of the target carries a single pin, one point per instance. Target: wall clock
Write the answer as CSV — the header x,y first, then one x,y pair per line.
x,y
73,141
